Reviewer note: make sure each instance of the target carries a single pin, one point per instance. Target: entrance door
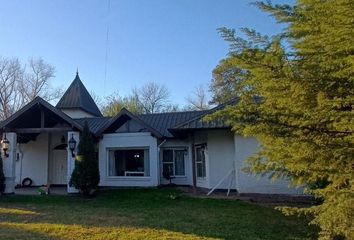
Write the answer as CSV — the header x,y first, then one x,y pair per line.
x,y
59,167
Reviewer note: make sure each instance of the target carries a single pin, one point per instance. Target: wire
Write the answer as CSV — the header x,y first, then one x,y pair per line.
x,y
106,54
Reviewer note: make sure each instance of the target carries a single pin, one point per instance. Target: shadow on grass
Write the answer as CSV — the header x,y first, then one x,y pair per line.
x,y
148,214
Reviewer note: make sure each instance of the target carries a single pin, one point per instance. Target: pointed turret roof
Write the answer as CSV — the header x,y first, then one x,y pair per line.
x,y
77,97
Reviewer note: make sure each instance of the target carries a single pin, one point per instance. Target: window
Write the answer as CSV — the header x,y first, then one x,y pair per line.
x,y
200,161
128,162
173,162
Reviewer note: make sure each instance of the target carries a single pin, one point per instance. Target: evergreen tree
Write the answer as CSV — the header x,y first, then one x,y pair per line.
x,y
303,115
2,177
85,176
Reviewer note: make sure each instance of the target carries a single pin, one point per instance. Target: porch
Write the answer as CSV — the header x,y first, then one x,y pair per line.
x,y
31,191
35,146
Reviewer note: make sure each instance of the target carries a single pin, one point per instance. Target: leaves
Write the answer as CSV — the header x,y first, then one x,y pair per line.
x,y
305,119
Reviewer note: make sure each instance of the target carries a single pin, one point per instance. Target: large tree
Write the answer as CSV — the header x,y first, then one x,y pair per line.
x,y
296,94
153,97
21,83
115,103
198,100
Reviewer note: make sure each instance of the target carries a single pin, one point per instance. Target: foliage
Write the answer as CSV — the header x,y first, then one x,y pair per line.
x,y
144,214
2,176
116,103
85,176
296,94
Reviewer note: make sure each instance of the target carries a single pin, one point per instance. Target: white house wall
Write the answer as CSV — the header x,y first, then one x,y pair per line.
x,y
175,143
34,157
221,152
245,147
128,140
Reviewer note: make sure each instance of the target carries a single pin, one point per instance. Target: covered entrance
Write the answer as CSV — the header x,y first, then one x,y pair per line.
x,y
38,138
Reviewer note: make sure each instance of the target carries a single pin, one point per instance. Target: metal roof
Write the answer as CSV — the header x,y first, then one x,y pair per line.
x,y
198,122
164,121
77,97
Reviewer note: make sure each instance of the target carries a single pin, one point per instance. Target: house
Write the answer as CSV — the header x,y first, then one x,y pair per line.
x,y
40,143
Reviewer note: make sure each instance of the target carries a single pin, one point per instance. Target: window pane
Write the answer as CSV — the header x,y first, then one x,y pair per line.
x,y
200,160
179,163
167,169
199,170
132,162
167,155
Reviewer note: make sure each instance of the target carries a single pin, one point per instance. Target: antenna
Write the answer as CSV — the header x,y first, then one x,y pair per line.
x,y
106,55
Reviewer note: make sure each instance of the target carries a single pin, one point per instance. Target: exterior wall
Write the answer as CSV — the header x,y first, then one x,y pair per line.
x,y
221,155
255,184
76,113
179,180
33,160
128,140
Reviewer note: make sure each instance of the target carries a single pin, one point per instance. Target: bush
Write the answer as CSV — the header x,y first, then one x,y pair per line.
x,y
85,176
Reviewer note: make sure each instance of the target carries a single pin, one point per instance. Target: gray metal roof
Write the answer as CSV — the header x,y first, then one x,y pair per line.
x,y
164,121
161,122
198,122
94,124
77,97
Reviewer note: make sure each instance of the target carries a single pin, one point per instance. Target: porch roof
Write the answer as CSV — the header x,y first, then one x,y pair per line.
x,y
28,117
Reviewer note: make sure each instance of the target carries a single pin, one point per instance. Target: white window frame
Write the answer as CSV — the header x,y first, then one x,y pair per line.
x,y
203,147
127,148
173,160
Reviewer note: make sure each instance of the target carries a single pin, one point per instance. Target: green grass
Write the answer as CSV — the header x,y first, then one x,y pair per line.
x,y
143,214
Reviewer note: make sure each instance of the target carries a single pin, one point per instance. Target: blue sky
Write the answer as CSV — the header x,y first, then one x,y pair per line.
x,y
171,42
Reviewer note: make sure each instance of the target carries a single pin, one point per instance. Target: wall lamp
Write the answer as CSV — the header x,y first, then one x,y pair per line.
x,y
5,144
72,145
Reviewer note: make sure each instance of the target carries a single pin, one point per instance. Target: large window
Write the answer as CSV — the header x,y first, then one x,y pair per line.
x,y
128,162
200,161
173,162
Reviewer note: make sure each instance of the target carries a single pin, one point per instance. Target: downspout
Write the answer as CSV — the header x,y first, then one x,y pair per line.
x,y
159,162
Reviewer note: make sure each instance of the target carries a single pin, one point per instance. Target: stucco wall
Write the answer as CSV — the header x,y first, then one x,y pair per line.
x,y
255,184
34,156
128,140
221,156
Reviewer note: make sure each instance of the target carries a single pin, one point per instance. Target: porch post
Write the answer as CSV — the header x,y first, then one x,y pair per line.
x,y
71,160
9,163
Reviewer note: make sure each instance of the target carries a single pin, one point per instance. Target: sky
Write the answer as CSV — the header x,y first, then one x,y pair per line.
x,y
173,42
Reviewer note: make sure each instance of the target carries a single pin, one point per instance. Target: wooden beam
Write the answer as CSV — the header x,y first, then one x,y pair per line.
x,y
40,130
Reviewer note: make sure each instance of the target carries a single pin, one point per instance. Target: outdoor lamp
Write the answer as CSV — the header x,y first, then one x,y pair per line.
x,y
5,143
72,145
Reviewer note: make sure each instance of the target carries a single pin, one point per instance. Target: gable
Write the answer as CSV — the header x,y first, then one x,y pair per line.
x,y
131,126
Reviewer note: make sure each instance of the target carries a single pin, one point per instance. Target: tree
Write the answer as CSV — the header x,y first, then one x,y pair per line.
x,y
85,176
2,177
11,73
20,84
115,103
198,99
228,81
297,97
152,97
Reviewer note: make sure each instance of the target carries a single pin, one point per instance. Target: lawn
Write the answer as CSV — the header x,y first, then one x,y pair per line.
x,y
143,214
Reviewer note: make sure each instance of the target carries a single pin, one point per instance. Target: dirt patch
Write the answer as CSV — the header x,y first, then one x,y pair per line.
x,y
271,200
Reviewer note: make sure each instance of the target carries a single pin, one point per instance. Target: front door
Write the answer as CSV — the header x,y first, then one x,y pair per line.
x,y
59,167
